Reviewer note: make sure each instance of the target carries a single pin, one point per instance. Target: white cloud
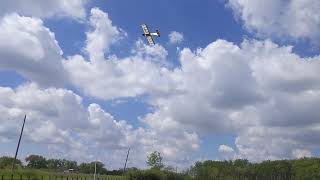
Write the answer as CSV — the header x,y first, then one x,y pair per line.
x,y
175,37
296,19
225,149
109,78
33,51
263,93
57,121
102,35
300,153
43,9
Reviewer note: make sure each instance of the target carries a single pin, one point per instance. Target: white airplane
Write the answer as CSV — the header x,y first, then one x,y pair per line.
x,y
149,35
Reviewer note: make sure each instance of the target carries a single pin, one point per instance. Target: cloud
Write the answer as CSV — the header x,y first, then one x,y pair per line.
x,y
58,121
262,92
225,149
103,34
111,77
33,51
44,9
296,19
222,88
175,37
300,153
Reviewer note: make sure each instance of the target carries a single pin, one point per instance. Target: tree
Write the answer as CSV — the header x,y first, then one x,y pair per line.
x,y
89,168
54,164
36,161
155,160
6,162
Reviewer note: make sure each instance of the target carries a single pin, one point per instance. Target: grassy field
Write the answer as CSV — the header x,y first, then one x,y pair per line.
x,y
31,174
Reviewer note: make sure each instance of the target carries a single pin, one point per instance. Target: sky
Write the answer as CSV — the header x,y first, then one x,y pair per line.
x,y
226,79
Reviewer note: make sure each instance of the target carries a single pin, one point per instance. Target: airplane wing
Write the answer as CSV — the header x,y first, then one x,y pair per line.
x,y
145,29
150,40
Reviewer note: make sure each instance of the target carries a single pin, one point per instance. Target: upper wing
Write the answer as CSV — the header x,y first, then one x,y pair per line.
x,y
145,29
150,40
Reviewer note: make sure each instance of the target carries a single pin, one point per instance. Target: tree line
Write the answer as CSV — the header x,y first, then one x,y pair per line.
x,y
40,162
304,168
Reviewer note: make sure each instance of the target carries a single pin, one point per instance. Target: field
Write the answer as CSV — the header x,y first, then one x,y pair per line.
x,y
28,174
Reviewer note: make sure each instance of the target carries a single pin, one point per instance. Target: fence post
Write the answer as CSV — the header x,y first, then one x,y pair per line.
x,y
2,177
29,177
20,176
41,177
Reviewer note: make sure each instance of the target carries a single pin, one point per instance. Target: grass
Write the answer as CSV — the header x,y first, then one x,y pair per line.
x,y
35,174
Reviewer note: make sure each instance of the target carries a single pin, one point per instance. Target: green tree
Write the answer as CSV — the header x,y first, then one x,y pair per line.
x,y
89,167
154,160
54,164
6,162
36,161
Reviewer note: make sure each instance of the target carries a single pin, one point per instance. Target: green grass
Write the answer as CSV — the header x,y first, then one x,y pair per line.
x,y
32,174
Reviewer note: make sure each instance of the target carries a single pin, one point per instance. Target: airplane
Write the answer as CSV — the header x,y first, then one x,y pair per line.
x,y
149,35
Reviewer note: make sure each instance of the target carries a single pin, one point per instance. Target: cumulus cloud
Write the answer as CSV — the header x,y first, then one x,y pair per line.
x,y
296,19
300,153
262,92
33,51
103,34
109,78
247,90
57,119
38,8
175,37
225,149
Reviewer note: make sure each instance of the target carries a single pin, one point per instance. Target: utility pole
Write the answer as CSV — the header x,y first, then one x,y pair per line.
x,y
125,164
95,170
15,156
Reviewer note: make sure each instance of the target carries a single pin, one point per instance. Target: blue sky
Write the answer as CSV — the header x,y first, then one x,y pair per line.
x,y
193,99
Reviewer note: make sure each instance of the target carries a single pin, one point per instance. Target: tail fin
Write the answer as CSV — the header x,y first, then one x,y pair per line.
x,y
158,33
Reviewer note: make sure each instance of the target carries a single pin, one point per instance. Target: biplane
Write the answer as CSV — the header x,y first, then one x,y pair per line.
x,y
148,34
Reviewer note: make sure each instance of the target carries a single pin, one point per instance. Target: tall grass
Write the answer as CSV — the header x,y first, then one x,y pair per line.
x,y
38,174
